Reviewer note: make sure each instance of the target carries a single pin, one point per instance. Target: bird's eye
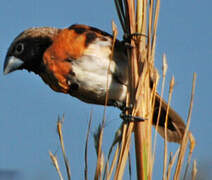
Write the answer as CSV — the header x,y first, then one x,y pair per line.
x,y
19,48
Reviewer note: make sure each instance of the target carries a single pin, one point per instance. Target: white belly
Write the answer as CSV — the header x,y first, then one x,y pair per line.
x,y
94,79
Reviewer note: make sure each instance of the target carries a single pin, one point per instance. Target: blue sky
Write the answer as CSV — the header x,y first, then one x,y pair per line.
x,y
29,109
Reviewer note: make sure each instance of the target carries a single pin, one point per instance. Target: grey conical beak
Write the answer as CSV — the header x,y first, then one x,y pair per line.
x,y
11,64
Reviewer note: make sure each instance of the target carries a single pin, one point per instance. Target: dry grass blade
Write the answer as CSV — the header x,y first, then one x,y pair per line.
x,y
86,146
186,134
60,133
192,145
194,170
157,10
150,154
109,174
98,146
130,5
171,163
98,141
166,124
188,163
100,156
191,148
99,138
96,135
164,69
116,141
56,165
130,166
125,146
192,142
150,28
115,33
139,15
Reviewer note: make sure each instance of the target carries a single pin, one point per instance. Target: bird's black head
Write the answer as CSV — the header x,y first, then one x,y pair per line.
x,y
26,51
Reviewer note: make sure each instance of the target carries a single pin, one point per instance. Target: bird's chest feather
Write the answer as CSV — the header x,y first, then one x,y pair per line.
x,y
93,74
97,74
88,78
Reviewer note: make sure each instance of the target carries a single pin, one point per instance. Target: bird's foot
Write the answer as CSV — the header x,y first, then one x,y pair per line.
x,y
127,117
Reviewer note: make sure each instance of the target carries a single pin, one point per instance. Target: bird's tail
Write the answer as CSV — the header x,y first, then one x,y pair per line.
x,y
175,126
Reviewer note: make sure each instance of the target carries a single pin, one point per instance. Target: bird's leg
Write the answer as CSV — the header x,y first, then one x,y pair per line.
x,y
127,117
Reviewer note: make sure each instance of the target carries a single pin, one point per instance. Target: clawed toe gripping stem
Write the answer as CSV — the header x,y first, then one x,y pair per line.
x,y
127,117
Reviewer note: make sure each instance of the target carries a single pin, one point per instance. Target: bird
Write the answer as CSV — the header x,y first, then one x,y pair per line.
x,y
75,61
